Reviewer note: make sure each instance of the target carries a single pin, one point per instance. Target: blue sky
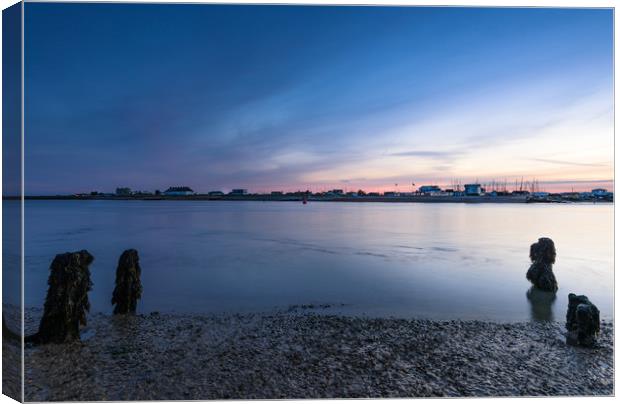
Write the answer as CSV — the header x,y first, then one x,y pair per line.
x,y
11,100
287,98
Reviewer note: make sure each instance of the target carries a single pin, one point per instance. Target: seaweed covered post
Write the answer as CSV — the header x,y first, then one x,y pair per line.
x,y
128,287
66,303
582,321
542,255
8,334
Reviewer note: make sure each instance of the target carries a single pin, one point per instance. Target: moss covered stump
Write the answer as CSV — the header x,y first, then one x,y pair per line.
x,y
582,321
128,289
540,273
66,303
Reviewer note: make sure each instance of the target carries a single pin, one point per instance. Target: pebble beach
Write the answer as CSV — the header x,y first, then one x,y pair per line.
x,y
307,354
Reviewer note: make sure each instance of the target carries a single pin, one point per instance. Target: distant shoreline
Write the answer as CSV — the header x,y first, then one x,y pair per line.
x,y
284,198
270,198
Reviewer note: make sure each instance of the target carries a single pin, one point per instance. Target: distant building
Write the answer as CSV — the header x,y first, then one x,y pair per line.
x,y
142,193
216,193
575,196
473,189
334,193
429,189
123,191
179,191
390,193
599,193
239,191
520,193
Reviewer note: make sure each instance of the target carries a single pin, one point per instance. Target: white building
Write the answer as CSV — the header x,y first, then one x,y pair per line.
x,y
599,192
429,190
178,191
473,189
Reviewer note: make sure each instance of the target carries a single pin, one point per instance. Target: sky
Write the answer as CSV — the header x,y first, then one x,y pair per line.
x,y
11,100
306,97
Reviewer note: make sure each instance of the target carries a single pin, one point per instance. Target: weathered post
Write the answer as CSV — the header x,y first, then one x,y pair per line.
x,y
542,255
128,287
582,321
8,334
66,303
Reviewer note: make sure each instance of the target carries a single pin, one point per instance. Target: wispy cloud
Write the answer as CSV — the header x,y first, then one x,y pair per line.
x,y
569,163
428,153
576,181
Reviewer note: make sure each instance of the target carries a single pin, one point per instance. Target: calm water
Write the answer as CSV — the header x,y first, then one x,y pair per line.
x,y
422,260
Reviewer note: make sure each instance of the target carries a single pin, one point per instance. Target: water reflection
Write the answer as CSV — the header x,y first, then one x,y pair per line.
x,y
541,304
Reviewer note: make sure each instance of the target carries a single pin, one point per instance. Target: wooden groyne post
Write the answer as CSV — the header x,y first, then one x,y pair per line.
x,y
128,289
66,303
540,273
582,321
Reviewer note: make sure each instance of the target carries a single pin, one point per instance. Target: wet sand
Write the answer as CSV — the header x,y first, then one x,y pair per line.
x,y
302,354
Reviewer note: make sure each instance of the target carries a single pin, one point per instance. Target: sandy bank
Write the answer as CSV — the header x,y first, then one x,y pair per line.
x,y
284,355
